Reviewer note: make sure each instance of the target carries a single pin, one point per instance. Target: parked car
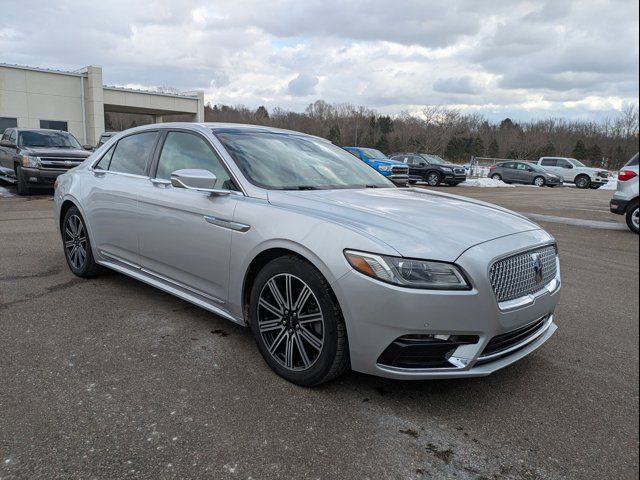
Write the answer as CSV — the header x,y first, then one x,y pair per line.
x,y
431,169
326,260
524,172
397,172
574,171
33,158
104,138
625,200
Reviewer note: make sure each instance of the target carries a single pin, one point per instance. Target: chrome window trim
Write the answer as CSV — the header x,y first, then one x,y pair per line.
x,y
229,224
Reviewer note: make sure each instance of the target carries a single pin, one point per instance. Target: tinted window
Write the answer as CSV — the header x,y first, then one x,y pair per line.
x,y
7,122
564,164
507,165
549,162
103,164
132,153
54,125
184,150
43,138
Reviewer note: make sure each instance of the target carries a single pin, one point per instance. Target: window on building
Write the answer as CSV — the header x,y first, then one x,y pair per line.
x,y
54,125
7,122
132,153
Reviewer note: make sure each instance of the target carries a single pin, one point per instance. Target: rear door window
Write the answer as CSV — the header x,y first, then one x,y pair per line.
x,y
549,162
132,153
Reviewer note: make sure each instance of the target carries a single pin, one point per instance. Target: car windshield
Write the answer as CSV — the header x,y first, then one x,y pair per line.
x,y
433,159
295,162
48,139
576,163
373,154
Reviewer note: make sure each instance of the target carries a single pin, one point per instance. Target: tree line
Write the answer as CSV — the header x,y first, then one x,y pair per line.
x,y
452,134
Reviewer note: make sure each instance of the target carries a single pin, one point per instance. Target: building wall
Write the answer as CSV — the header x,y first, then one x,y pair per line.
x,y
80,99
31,96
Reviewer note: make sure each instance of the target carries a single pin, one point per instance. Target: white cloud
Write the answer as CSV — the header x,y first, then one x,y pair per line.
x,y
512,57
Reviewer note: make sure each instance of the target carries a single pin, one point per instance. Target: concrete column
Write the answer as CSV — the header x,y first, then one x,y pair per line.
x,y
158,119
93,103
199,116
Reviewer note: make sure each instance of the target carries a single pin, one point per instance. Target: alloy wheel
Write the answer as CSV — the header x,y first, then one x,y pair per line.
x,y
539,181
433,179
290,322
635,219
75,241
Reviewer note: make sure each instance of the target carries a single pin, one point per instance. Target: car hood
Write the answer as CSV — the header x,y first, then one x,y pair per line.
x,y
57,152
416,223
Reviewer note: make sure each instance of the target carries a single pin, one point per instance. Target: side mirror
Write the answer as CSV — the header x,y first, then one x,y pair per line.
x,y
197,179
7,143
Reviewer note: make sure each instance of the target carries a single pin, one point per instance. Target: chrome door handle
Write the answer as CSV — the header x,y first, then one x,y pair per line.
x,y
160,182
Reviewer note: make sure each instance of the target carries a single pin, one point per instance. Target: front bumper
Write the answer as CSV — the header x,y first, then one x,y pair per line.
x,y
400,180
454,178
378,314
41,176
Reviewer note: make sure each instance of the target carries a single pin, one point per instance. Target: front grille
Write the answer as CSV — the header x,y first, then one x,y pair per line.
x,y
524,273
61,163
502,343
604,174
398,170
459,171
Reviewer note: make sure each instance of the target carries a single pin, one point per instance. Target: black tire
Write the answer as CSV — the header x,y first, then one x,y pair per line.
x,y
75,241
433,179
536,181
631,215
332,358
582,181
22,184
595,187
496,176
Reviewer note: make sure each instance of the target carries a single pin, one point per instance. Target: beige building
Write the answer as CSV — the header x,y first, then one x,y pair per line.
x,y
77,101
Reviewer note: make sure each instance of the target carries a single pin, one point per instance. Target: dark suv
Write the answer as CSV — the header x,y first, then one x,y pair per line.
x,y
35,157
431,169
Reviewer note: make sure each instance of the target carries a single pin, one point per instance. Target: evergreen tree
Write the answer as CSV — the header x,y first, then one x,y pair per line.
x,y
494,150
334,134
579,151
478,147
262,112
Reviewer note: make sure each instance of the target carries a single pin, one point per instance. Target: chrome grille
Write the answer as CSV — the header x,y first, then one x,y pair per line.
x,y
515,276
399,170
64,163
459,171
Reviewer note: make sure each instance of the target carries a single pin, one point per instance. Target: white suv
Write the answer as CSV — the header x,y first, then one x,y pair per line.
x,y
574,171
625,200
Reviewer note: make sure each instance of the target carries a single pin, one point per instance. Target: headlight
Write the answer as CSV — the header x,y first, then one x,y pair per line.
x,y
407,272
30,161
385,168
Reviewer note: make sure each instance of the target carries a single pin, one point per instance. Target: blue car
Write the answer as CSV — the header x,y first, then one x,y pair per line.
x,y
395,171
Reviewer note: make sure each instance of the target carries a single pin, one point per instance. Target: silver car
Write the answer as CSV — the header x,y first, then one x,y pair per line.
x,y
524,172
625,200
330,265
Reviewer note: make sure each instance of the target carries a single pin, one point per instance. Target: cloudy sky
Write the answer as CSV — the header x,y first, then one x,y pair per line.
x,y
524,59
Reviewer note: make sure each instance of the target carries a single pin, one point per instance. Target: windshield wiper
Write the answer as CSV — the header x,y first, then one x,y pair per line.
x,y
307,187
372,186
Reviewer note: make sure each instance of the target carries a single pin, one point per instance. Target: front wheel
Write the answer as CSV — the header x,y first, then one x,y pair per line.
x,y
583,181
297,322
433,179
539,181
77,247
633,221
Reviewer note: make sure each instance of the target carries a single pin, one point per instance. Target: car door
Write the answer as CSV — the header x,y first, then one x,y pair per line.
x,y
566,169
522,173
185,235
112,198
509,172
551,165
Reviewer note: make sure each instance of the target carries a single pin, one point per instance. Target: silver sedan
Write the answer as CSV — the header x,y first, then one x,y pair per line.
x,y
330,265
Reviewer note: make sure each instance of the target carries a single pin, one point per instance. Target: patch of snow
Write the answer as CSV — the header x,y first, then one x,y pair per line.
x,y
4,193
612,184
484,183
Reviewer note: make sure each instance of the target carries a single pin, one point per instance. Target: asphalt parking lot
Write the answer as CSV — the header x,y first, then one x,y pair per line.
x,y
110,378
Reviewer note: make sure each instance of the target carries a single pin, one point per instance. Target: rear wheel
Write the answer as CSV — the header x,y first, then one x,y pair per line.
x,y
297,323
583,181
496,176
22,183
539,181
433,179
77,247
633,221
